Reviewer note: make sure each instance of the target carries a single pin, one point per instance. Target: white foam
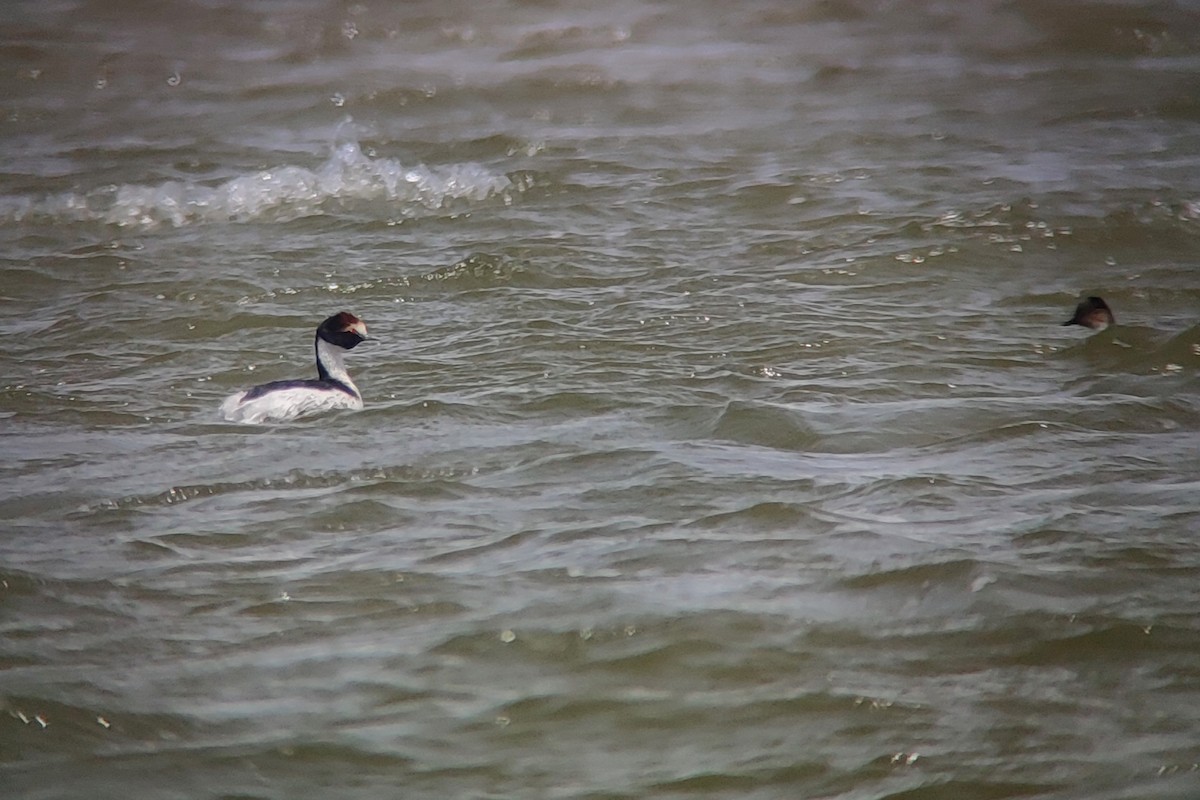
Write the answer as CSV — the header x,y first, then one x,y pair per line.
x,y
285,193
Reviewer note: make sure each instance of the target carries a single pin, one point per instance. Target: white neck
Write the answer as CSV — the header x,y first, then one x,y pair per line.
x,y
330,357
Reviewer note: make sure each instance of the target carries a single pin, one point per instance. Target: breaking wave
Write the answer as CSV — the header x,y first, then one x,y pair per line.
x,y
348,178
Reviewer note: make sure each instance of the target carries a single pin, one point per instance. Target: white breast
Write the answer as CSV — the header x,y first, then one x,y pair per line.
x,y
285,404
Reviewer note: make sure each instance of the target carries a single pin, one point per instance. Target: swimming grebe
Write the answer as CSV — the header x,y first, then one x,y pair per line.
x,y
1092,313
279,401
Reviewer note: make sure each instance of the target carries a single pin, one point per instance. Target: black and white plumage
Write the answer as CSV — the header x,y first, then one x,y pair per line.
x,y
279,401
1093,313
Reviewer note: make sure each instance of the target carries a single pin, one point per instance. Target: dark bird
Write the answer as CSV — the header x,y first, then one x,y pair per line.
x,y
1092,313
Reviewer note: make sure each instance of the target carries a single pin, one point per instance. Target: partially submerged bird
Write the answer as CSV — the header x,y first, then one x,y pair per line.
x,y
1093,313
279,401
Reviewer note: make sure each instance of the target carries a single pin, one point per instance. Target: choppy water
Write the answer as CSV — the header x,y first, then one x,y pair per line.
x,y
722,439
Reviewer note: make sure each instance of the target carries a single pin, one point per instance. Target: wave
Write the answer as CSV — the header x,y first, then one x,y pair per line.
x,y
348,178
294,480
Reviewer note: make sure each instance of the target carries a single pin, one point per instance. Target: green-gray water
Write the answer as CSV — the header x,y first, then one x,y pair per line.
x,y
722,438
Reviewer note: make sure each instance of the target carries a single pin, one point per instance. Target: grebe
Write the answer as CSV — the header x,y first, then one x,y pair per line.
x,y
1092,313
279,401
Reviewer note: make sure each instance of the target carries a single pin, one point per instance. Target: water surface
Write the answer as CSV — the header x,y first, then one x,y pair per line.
x,y
722,437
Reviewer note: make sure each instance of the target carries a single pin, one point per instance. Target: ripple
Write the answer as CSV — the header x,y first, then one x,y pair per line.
x,y
765,425
296,480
